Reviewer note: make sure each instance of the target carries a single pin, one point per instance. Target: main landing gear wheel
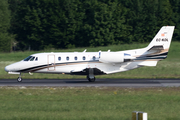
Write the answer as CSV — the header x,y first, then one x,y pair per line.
x,y
91,79
91,76
19,79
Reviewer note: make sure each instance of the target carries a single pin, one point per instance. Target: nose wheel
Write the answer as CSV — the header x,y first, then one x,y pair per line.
x,y
19,79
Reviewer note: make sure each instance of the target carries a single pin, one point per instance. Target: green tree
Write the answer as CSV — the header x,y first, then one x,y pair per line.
x,y
176,18
48,24
105,23
5,39
58,24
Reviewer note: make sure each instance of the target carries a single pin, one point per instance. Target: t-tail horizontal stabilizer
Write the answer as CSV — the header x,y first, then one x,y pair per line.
x,y
156,48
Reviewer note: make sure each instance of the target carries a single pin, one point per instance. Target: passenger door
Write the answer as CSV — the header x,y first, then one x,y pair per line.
x,y
51,62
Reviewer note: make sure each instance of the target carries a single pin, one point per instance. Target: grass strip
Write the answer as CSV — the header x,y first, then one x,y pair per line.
x,y
95,103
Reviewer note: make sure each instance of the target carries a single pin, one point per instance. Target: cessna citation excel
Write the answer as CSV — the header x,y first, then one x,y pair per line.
x,y
96,63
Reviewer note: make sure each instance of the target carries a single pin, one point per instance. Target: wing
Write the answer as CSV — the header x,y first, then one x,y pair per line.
x,y
86,71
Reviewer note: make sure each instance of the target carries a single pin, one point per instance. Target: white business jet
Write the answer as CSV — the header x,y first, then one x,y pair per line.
x,y
96,63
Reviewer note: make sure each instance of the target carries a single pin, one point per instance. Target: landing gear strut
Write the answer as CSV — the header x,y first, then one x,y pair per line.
x,y
91,76
19,79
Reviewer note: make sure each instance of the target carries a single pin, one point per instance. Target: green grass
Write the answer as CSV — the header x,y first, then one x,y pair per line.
x,y
43,103
168,68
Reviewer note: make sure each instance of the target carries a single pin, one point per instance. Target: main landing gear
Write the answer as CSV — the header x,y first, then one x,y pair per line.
x,y
91,79
19,79
91,76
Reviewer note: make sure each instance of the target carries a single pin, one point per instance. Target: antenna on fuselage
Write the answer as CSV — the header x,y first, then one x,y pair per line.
x,y
84,51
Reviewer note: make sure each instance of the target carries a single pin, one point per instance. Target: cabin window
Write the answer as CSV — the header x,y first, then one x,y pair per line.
x,y
59,58
36,59
84,58
94,58
75,58
67,58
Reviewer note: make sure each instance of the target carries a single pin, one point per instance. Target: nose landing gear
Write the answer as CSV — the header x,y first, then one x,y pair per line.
x,y
19,79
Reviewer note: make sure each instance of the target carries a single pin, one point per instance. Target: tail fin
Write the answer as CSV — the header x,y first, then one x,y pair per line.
x,y
158,48
162,38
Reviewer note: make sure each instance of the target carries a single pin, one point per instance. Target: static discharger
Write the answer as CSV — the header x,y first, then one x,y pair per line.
x,y
137,115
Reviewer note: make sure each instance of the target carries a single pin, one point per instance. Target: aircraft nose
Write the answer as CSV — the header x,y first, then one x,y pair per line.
x,y
12,67
6,69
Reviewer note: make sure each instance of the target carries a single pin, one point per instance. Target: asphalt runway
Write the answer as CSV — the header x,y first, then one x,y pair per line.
x,y
98,83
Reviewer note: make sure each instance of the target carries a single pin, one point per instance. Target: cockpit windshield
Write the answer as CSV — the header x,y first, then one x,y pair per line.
x,y
28,58
32,59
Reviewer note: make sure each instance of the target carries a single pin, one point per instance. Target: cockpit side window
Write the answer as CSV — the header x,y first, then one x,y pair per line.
x,y
28,58
36,59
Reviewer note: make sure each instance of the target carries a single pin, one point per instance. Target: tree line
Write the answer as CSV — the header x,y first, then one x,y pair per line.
x,y
44,24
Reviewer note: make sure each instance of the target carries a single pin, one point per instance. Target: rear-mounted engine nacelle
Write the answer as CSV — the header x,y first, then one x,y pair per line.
x,y
111,57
